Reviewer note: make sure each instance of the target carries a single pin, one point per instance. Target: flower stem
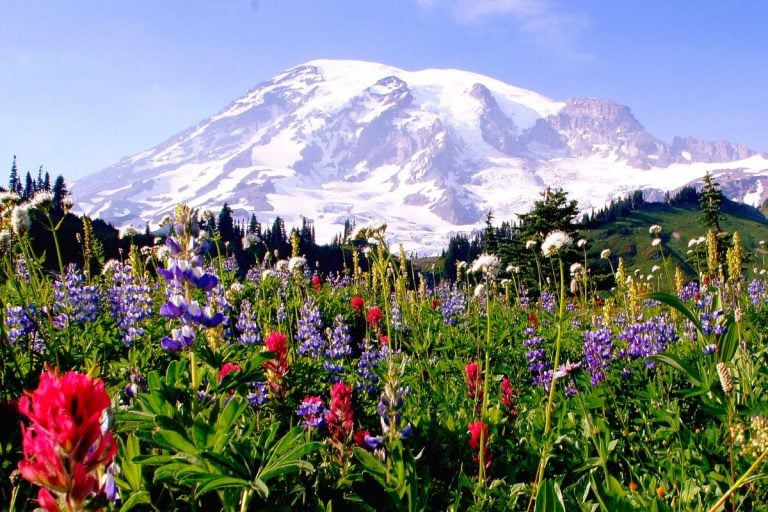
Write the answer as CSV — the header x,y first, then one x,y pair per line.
x,y
551,396
738,483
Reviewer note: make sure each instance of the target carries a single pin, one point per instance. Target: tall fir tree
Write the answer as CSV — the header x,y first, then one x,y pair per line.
x,y
226,224
29,187
710,203
59,193
14,183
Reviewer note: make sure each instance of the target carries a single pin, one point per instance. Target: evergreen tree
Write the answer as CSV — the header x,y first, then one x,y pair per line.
x,y
47,182
490,244
29,187
39,184
14,183
710,203
254,228
553,212
226,224
59,193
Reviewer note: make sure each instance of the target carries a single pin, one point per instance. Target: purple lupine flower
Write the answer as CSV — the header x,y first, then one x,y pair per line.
x,y
389,409
175,307
76,300
309,332
20,324
246,324
130,301
537,364
758,292
648,338
312,409
282,313
598,353
711,323
259,394
180,339
395,315
452,303
690,291
370,356
523,297
137,383
709,349
22,270
181,270
547,301
338,280
253,275
339,339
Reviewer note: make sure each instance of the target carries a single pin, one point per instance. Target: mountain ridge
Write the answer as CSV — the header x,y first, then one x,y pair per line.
x,y
425,151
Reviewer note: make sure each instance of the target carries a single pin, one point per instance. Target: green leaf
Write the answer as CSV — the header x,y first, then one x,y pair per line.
x,y
729,342
549,498
690,373
174,441
136,498
284,457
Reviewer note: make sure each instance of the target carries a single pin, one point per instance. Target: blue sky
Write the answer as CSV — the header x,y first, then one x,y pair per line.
x,y
87,82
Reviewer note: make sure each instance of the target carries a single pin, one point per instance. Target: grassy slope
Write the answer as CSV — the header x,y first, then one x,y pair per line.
x,y
629,238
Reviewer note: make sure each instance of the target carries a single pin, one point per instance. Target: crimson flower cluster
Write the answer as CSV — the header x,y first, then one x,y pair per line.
x,y
276,367
476,429
65,448
474,384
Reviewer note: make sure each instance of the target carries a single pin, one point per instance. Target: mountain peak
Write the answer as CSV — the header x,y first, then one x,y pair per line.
x,y
425,151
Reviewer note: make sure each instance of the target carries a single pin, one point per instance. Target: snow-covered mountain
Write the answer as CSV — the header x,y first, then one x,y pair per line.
x,y
427,152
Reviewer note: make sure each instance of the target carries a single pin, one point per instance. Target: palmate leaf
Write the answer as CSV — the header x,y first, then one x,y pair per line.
x,y
285,457
173,440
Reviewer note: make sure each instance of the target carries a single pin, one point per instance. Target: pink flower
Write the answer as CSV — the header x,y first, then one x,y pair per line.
x,y
228,368
317,284
374,316
357,303
474,382
476,429
340,416
64,446
508,396
277,367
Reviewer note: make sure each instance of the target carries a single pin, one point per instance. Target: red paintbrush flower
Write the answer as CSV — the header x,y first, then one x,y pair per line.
x,y
64,446
357,304
277,367
340,416
474,382
228,368
374,316
317,284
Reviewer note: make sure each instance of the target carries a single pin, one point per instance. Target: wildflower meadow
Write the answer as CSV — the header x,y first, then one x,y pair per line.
x,y
173,379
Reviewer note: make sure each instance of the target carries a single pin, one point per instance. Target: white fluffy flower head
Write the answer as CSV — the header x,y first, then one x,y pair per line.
x,y
605,254
531,244
555,242
655,229
296,262
656,242
487,264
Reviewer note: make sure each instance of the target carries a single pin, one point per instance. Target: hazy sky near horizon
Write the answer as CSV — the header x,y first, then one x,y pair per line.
x,y
87,82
